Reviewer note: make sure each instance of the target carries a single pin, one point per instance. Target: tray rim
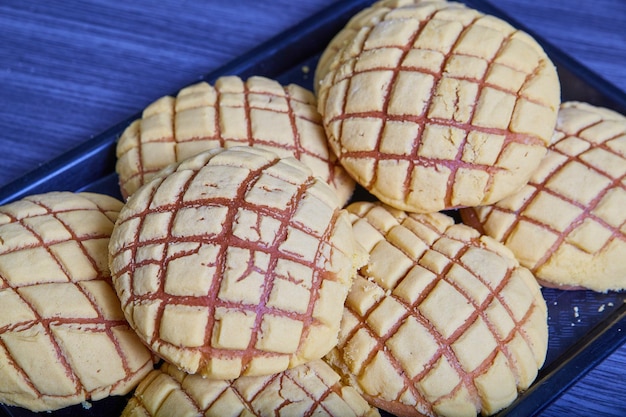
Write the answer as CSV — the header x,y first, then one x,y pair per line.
x,y
241,65
553,380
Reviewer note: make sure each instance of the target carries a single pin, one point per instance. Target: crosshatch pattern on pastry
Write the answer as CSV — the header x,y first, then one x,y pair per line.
x,y
572,209
235,237
232,112
366,17
310,389
63,335
439,318
439,106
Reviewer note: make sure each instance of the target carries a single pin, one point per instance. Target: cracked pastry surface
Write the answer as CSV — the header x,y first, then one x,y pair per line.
x,y
63,335
309,389
437,106
232,112
441,320
568,224
234,238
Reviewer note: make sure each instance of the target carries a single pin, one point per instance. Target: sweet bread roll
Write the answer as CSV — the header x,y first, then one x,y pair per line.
x,y
438,106
63,336
568,225
232,112
309,389
229,239
441,320
365,18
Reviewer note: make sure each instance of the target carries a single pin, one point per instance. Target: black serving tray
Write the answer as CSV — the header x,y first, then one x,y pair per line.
x,y
585,327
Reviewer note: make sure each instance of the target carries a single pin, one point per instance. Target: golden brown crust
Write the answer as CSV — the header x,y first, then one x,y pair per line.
x,y
438,106
234,238
441,320
567,225
231,112
309,389
63,336
365,18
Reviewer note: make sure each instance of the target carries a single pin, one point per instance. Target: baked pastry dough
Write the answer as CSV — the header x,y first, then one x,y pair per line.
x,y
438,106
232,112
367,17
235,262
441,320
63,336
568,225
309,389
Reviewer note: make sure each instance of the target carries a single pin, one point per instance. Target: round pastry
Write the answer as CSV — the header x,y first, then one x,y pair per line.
x,y
231,112
568,224
63,336
438,106
365,18
441,320
235,238
309,389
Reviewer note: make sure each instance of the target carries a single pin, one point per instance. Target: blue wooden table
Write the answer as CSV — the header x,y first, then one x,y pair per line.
x,y
71,69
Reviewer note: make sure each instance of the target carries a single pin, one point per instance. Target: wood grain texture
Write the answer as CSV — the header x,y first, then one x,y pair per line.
x,y
71,69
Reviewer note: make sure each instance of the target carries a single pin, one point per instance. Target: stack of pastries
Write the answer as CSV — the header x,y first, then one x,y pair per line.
x,y
280,251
